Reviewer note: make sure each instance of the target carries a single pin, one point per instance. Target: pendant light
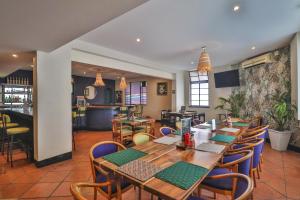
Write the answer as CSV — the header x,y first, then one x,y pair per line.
x,y
123,84
99,82
204,64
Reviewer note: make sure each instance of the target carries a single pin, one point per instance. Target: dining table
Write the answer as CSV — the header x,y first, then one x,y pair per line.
x,y
164,156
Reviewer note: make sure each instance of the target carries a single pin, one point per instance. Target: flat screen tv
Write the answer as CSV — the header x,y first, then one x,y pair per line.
x,y
227,79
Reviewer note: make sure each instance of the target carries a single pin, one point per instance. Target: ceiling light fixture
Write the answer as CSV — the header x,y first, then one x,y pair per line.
x,y
253,47
204,64
123,84
192,63
236,8
138,39
84,73
99,82
14,55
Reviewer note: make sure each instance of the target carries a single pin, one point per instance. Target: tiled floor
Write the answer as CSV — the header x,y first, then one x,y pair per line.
x,y
280,178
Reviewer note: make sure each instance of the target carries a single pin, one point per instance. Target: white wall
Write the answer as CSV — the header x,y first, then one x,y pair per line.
x,y
180,89
53,108
214,94
295,71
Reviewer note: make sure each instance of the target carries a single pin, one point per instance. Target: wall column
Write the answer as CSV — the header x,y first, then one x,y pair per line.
x,y
52,110
179,89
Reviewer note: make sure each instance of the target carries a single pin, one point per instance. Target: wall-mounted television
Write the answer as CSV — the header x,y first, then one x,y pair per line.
x,y
227,79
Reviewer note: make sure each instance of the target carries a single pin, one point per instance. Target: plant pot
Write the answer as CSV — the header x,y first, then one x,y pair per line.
x,y
279,139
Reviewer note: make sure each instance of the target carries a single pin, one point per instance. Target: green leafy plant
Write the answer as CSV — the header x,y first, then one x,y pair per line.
x,y
283,111
233,104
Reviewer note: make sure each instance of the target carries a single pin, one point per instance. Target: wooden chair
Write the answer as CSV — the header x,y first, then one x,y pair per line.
x,y
138,110
121,132
112,185
256,145
242,186
75,189
238,162
166,130
142,138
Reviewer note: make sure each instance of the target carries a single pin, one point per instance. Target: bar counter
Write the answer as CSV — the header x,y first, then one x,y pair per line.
x,y
98,117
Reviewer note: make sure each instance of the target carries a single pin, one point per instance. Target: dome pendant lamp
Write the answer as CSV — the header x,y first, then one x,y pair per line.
x,y
123,84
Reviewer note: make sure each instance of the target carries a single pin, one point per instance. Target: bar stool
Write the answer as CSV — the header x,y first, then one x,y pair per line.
x,y
8,124
11,133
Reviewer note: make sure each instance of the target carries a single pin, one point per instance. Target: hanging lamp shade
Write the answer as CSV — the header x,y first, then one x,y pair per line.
x,y
99,82
204,64
123,84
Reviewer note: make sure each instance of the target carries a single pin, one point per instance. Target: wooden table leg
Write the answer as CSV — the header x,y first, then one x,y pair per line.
x,y
139,194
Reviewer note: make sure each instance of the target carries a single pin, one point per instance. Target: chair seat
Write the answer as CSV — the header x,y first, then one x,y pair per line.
x,y
100,179
222,184
17,130
9,125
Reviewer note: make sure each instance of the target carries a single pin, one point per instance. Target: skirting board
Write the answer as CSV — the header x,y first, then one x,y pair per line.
x,y
55,159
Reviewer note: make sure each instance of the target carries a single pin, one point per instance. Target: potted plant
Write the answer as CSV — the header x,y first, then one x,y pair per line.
x,y
232,104
283,114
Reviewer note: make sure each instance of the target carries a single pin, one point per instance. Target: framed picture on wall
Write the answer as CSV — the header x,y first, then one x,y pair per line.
x,y
118,96
162,88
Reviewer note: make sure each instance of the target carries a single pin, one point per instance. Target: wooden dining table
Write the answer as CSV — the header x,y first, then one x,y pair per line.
x,y
163,155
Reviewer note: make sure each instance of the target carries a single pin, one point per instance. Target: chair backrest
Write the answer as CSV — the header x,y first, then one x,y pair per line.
x,y
257,134
256,145
6,117
116,125
101,149
241,159
242,185
166,130
142,138
138,108
75,189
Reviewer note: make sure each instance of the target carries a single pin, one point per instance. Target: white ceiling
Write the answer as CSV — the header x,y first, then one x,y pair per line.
x,y
88,70
173,31
46,25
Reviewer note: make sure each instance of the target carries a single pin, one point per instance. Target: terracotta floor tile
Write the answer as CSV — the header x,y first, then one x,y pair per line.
x,y
14,190
53,176
28,178
79,176
265,192
63,189
292,187
61,198
40,190
277,184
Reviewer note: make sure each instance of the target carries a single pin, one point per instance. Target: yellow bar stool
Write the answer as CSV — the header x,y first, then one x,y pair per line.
x,y
12,133
8,124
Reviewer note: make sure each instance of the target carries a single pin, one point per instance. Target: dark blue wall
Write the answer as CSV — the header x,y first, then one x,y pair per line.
x,y
105,95
19,74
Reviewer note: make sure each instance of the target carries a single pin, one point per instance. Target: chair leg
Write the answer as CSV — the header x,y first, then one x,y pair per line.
x,y
254,178
11,150
95,193
257,171
7,150
73,141
2,142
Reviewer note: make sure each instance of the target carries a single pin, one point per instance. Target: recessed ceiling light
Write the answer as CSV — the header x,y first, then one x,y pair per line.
x,y
138,39
253,47
192,63
84,73
236,8
14,55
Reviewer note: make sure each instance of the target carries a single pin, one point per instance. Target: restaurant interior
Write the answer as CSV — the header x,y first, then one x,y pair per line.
x,y
150,99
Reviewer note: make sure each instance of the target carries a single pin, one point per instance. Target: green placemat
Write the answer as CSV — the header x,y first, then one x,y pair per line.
x,y
122,157
243,124
182,174
223,138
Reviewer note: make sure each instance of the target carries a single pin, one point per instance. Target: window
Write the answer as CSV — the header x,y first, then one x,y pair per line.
x,y
199,89
136,93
